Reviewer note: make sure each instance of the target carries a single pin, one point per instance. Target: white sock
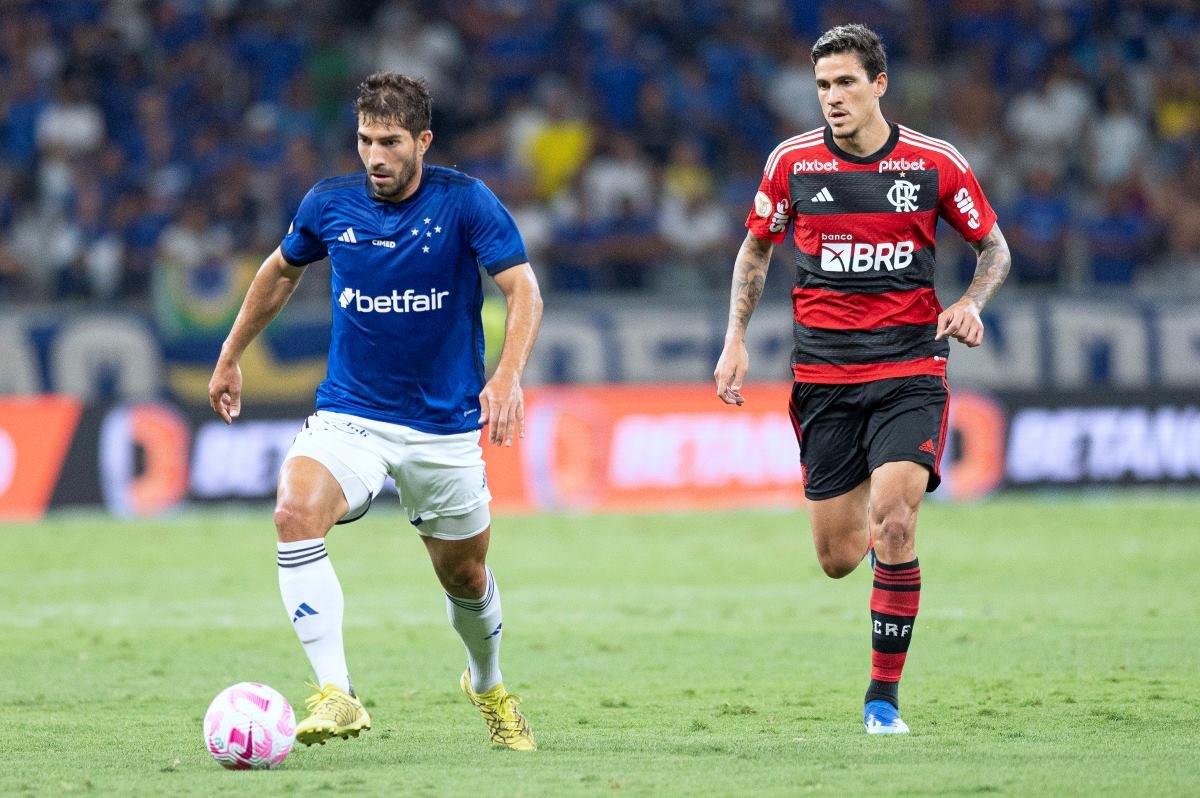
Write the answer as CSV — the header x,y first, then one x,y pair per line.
x,y
478,623
313,599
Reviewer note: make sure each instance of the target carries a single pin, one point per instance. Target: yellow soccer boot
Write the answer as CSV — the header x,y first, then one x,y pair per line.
x,y
332,712
505,723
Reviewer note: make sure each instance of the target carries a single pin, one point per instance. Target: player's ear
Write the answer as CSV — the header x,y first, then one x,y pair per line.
x,y
423,141
881,83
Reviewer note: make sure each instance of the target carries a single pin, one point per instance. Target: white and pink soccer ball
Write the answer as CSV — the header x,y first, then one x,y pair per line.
x,y
249,726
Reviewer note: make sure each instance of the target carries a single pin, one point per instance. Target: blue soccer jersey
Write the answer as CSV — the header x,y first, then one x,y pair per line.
x,y
406,340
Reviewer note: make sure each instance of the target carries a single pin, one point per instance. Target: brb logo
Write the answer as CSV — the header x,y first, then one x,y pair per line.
x,y
408,302
839,253
903,195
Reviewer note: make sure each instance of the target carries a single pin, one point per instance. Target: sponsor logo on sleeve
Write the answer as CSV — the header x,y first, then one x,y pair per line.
x,y
779,219
966,206
762,205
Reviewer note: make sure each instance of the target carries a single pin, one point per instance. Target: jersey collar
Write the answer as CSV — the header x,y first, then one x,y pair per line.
x,y
878,155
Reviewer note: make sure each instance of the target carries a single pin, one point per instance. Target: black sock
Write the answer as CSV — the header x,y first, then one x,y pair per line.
x,y
883,691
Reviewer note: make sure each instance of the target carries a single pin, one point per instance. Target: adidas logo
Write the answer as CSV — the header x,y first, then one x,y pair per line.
x,y
348,236
495,631
927,446
303,611
822,196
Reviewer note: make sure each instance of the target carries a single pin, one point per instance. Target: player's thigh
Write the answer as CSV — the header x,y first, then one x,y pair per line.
x,y
908,423
442,485
347,452
830,424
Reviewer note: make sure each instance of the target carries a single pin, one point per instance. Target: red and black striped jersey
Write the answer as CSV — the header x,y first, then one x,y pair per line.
x,y
863,304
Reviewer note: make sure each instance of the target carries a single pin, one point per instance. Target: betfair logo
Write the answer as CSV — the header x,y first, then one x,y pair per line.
x,y
408,302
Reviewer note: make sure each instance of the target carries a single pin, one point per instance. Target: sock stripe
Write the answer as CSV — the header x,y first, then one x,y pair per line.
x,y
899,566
300,549
322,556
300,555
296,557
479,604
894,579
902,577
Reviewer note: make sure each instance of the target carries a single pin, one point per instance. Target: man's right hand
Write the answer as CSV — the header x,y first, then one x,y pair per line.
x,y
225,390
731,370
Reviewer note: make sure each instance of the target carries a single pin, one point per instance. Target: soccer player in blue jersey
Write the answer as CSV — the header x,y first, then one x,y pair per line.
x,y
406,394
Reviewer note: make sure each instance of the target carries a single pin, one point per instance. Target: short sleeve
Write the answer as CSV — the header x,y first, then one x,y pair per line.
x,y
769,218
303,245
491,231
964,206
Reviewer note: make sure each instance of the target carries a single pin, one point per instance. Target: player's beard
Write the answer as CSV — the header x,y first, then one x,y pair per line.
x,y
405,172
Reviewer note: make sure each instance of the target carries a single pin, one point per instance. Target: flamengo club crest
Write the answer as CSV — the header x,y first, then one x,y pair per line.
x,y
903,195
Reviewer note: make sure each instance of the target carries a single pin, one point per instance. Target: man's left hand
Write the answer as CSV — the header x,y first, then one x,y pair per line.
x,y
962,322
502,408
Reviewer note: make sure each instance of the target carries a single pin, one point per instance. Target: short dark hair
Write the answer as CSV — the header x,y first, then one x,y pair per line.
x,y
853,38
395,99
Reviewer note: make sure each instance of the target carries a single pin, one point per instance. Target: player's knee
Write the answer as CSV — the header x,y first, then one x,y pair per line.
x,y
837,565
838,559
297,521
463,579
895,531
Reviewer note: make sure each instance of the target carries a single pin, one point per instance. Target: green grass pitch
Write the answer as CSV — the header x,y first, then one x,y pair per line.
x,y
693,654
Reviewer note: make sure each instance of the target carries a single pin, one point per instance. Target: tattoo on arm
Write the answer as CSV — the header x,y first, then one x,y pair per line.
x,y
749,276
993,264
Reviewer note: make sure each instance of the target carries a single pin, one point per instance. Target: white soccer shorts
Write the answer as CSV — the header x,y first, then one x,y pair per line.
x,y
440,478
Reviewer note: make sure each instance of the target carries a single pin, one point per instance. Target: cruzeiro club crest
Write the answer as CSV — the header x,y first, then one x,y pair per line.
x,y
903,195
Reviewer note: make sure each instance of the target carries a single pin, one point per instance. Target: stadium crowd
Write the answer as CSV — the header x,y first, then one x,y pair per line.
x,y
139,139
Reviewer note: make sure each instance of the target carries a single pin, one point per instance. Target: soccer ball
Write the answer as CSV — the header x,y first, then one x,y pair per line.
x,y
249,726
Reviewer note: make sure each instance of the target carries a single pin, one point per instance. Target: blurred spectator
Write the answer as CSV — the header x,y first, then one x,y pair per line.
x,y
94,253
402,40
629,137
792,93
1047,120
1178,203
561,148
1177,100
1117,139
1118,235
1037,228
619,177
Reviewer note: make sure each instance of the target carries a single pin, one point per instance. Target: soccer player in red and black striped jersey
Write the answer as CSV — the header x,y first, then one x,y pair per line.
x,y
863,196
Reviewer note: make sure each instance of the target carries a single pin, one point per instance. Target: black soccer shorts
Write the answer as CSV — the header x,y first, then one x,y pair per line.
x,y
847,431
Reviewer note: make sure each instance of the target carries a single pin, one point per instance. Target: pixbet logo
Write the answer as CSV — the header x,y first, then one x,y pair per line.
x,y
815,166
408,302
846,256
901,165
